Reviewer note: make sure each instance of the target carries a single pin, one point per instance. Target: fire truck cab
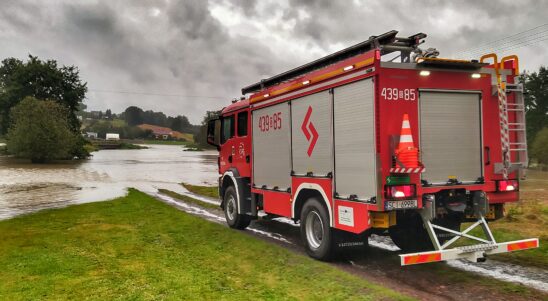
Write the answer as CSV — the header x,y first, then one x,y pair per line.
x,y
382,137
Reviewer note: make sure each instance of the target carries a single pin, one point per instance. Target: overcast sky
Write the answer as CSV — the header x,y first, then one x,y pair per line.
x,y
205,51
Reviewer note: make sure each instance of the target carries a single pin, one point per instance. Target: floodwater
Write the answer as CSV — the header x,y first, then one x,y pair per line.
x,y
26,187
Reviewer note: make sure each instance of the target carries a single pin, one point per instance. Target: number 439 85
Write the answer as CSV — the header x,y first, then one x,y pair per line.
x,y
398,94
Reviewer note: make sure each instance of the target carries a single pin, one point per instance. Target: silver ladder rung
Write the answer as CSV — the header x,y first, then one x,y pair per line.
x,y
517,149
514,110
518,143
516,123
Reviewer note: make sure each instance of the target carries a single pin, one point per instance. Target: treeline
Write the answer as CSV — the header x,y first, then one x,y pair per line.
x,y
536,108
126,123
134,116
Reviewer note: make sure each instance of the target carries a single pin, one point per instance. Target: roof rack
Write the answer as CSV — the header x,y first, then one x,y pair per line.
x,y
386,42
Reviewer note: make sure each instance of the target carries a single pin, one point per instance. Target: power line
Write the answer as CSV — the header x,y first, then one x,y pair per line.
x,y
501,39
513,46
155,94
503,42
508,43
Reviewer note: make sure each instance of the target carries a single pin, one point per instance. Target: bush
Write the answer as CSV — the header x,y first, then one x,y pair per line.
x,y
40,131
539,150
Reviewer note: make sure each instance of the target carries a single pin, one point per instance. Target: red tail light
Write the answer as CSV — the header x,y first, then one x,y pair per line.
x,y
508,185
399,191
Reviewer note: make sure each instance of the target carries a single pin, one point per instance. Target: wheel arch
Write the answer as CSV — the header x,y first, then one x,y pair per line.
x,y
241,185
304,192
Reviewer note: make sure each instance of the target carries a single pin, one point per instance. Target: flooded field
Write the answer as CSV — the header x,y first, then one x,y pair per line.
x,y
26,187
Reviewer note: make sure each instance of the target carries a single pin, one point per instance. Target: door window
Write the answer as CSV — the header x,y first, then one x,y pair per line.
x,y
242,124
227,128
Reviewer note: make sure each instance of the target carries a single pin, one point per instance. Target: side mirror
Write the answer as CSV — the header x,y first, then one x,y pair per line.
x,y
213,132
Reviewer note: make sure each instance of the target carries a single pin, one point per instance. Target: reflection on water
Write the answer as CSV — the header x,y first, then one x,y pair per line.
x,y
26,187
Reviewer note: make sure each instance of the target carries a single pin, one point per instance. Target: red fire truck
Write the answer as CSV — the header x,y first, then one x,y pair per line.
x,y
380,138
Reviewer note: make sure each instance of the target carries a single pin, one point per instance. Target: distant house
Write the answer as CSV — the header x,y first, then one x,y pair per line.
x,y
112,136
159,132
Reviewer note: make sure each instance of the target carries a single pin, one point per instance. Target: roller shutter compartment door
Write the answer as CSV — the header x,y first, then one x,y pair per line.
x,y
271,147
312,136
355,172
450,136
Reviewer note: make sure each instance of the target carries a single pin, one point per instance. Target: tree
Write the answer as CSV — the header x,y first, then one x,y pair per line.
x,y
108,114
41,131
539,150
179,123
133,115
43,80
536,101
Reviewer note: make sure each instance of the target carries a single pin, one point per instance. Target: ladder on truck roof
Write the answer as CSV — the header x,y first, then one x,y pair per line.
x,y
386,43
513,134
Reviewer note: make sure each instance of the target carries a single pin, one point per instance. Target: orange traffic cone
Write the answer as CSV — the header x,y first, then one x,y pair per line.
x,y
406,154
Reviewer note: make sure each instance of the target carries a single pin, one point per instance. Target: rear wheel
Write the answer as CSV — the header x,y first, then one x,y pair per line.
x,y
233,219
315,230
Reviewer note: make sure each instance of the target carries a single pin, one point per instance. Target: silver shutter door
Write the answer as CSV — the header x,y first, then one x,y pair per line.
x,y
312,136
355,140
450,141
271,149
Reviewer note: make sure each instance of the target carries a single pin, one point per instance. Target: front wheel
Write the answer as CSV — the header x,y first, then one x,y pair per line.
x,y
315,230
233,219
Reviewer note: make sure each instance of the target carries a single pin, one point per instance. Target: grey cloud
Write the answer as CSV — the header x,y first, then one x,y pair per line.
x,y
180,47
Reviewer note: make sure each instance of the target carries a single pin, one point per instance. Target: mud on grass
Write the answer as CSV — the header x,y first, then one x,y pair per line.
x,y
135,247
187,199
209,191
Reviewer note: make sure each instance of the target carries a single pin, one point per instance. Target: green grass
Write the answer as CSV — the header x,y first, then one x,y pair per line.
x,y
136,248
209,191
187,199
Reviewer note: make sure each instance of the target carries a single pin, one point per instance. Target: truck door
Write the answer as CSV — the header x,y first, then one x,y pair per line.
x,y
235,143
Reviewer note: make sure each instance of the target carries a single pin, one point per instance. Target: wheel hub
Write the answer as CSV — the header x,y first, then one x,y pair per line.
x,y
314,229
230,207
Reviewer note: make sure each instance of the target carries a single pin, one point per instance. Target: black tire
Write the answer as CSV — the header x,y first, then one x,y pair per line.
x,y
319,240
233,219
410,235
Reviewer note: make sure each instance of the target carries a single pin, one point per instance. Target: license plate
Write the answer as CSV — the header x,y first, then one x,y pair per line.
x,y
403,204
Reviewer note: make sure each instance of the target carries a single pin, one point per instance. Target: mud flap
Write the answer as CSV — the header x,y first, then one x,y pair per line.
x,y
346,241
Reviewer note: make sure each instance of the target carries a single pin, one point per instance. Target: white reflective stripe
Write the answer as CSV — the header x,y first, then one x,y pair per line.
x,y
406,138
405,124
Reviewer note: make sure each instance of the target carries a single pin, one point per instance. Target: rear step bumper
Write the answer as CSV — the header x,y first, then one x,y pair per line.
x,y
472,253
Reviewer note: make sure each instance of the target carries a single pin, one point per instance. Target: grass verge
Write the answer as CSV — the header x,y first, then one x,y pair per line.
x,y
209,191
138,248
187,199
